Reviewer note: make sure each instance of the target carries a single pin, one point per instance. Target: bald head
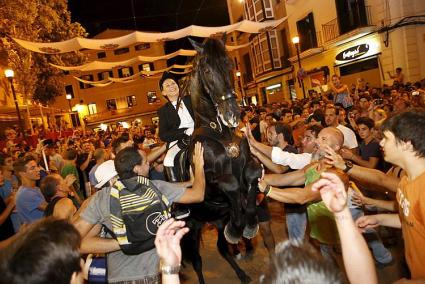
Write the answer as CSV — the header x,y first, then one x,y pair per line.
x,y
331,136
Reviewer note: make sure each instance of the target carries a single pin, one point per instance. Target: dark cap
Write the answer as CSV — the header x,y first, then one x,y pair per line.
x,y
165,76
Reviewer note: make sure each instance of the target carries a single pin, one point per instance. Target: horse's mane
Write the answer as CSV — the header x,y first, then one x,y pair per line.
x,y
214,54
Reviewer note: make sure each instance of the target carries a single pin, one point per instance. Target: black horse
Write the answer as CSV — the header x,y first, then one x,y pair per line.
x,y
230,171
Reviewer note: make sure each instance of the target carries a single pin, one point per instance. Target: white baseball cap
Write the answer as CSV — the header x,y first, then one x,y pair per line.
x,y
105,172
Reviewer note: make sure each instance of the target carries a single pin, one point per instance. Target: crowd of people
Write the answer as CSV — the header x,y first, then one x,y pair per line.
x,y
343,161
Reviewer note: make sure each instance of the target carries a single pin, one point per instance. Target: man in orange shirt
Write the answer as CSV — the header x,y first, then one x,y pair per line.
x,y
404,146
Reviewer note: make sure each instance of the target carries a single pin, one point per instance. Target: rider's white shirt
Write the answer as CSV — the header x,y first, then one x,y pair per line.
x,y
186,121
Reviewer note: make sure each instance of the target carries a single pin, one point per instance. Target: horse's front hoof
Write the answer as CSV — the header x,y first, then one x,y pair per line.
x,y
250,232
230,238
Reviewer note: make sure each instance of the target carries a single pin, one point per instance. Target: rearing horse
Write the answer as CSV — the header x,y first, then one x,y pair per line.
x,y
230,171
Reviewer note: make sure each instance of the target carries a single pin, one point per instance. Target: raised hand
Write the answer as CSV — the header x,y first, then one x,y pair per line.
x,y
333,192
198,156
167,241
70,179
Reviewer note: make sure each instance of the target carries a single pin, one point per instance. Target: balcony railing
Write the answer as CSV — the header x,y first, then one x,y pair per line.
x,y
331,31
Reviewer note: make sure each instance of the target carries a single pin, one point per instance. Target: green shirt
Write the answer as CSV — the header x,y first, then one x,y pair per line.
x,y
321,220
70,169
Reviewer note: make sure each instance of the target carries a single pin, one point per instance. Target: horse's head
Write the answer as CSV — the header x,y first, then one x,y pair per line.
x,y
213,69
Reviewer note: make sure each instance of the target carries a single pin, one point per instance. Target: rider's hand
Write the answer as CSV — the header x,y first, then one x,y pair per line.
x,y
333,192
167,241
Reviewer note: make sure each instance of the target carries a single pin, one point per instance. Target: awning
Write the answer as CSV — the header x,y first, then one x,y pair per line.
x,y
79,43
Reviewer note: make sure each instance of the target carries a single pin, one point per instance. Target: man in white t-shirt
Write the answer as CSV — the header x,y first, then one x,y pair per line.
x,y
331,119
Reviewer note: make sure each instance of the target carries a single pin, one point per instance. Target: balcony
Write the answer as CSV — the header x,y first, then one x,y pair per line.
x,y
331,30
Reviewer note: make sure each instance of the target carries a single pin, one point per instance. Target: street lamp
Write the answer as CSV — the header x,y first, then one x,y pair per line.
x,y
296,42
9,73
69,98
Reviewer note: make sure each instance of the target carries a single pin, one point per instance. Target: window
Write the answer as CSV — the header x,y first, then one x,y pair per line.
x,y
351,14
87,78
125,72
285,48
120,51
152,98
274,47
69,91
258,7
258,10
265,54
101,54
142,46
146,67
307,32
248,75
92,108
111,104
131,101
104,75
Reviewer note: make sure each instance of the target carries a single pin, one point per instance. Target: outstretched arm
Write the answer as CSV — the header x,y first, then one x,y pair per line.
x,y
289,195
363,174
197,192
358,261
295,178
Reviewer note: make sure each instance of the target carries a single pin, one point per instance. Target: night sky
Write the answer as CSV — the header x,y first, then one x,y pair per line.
x,y
149,15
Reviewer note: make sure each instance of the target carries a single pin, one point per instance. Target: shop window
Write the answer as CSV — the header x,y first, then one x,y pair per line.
x,y
142,46
120,51
351,14
125,72
307,32
111,104
104,75
131,101
87,78
101,54
359,67
92,108
152,98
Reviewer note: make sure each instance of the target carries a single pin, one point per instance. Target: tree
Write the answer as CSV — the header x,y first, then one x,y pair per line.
x,y
42,21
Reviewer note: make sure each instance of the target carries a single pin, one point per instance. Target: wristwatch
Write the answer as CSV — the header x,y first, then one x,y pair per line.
x,y
169,270
348,166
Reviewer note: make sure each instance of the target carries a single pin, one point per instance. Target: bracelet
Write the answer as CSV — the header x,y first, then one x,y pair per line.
x,y
169,269
268,190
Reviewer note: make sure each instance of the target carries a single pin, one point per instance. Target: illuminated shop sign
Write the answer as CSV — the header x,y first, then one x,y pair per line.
x,y
352,52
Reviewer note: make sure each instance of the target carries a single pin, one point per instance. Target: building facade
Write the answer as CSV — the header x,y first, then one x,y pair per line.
x,y
118,102
265,71
350,38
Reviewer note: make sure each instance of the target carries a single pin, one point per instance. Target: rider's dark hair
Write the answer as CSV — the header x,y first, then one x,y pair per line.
x,y
408,126
126,160
298,262
47,252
